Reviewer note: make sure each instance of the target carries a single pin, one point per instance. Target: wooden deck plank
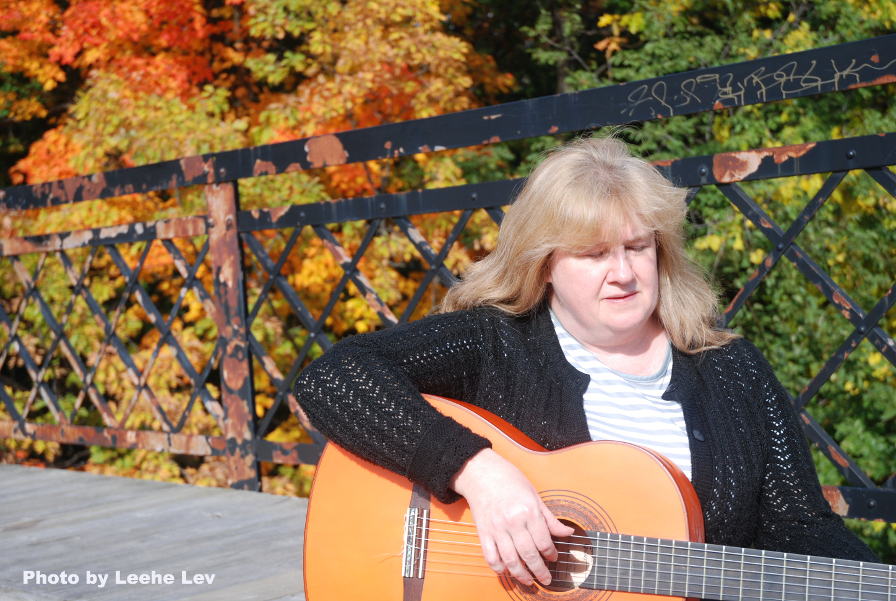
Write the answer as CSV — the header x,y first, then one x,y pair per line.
x,y
54,521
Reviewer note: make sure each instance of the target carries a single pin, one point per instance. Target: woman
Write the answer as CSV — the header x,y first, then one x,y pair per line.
x,y
588,321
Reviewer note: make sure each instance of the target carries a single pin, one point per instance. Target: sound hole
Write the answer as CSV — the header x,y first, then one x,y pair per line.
x,y
574,560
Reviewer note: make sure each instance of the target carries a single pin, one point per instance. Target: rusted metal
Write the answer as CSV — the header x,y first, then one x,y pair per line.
x,y
426,251
807,73
181,227
67,350
289,453
846,347
182,444
436,262
237,387
861,503
164,331
48,357
155,317
365,287
872,62
806,215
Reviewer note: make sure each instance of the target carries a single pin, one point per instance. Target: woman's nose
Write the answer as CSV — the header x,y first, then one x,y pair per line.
x,y
621,267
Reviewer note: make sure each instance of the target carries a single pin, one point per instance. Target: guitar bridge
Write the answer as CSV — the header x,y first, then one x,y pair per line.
x,y
416,525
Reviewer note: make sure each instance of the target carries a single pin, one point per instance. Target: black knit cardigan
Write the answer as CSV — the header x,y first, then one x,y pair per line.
x,y
751,465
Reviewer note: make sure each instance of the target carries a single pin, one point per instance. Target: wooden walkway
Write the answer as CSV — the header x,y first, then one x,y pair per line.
x,y
54,521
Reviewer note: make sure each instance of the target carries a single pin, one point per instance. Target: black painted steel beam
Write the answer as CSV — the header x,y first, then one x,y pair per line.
x,y
818,71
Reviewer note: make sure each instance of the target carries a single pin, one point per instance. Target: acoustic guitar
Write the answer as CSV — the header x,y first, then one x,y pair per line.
x,y
373,535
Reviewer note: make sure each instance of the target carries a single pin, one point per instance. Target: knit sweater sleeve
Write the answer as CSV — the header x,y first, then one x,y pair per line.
x,y
794,515
364,394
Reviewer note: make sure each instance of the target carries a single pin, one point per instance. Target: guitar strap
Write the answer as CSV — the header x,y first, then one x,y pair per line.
x,y
413,586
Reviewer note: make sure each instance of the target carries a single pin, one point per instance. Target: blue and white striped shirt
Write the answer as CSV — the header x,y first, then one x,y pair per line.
x,y
630,408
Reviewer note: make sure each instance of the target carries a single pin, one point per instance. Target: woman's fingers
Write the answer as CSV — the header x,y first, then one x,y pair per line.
x,y
514,525
491,554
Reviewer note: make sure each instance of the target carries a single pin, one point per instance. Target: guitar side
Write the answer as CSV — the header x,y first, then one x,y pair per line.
x,y
354,531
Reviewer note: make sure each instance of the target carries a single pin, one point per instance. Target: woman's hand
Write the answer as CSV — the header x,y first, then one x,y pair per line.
x,y
515,526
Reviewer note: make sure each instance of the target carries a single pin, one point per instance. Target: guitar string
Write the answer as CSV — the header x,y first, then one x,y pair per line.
x,y
823,567
660,583
596,556
743,592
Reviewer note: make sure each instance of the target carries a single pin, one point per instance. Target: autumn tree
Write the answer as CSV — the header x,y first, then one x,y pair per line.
x,y
163,79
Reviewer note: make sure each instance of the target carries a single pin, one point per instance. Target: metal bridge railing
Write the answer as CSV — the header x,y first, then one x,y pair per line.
x,y
226,248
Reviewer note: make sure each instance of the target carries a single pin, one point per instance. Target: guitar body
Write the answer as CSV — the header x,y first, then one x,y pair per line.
x,y
356,525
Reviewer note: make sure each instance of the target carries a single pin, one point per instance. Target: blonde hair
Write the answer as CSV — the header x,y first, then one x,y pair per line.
x,y
583,193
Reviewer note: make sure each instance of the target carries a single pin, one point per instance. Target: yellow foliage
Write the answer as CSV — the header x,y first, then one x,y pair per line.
x,y
757,256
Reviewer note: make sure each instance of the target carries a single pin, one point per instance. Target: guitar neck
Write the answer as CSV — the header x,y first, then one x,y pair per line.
x,y
684,569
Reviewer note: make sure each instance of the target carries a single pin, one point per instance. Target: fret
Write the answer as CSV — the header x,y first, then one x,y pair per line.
x,y
624,570
873,582
847,579
762,576
889,582
820,570
684,569
833,578
774,574
602,557
722,575
643,561
678,575
615,565
784,571
703,588
713,571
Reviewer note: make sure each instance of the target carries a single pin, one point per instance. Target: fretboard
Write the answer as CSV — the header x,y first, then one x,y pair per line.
x,y
682,569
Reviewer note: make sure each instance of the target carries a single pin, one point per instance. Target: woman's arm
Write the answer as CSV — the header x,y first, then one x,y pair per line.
x,y
365,395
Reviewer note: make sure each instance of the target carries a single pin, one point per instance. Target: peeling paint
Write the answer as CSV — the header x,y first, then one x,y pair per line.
x,y
717,105
182,444
838,503
795,151
438,148
325,150
554,129
275,213
839,300
194,167
293,167
494,139
877,82
263,168
181,227
94,185
338,253
425,148
110,232
734,166
837,457
875,58
730,167
388,144
665,163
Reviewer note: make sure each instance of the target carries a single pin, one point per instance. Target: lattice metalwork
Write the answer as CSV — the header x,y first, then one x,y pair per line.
x,y
230,265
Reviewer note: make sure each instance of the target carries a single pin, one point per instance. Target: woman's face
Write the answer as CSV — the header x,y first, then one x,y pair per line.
x,y
606,296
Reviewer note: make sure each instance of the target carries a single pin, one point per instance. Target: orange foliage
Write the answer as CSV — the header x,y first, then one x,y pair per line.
x,y
165,79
